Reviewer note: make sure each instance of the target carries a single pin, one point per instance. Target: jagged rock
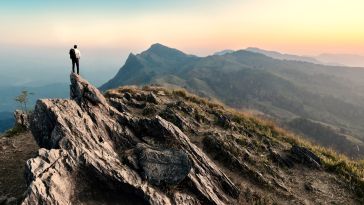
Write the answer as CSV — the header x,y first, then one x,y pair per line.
x,y
152,98
133,102
21,119
181,198
118,104
36,166
163,167
150,109
127,96
174,117
86,141
281,160
305,156
185,108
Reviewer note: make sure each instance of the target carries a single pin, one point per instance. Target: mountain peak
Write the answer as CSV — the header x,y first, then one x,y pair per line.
x,y
158,45
268,53
160,49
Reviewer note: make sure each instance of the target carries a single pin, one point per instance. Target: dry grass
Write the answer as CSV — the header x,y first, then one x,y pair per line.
x,y
351,171
116,92
211,103
14,151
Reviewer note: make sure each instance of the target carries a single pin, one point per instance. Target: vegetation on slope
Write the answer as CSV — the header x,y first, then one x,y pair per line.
x,y
15,149
351,171
14,131
328,136
255,152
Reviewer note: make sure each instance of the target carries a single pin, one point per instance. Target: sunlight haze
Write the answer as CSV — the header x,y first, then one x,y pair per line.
x,y
201,27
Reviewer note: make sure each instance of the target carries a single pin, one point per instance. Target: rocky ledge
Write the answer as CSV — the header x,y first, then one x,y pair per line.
x,y
93,153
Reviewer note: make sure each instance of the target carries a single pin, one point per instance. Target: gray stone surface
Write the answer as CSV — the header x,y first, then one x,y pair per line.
x,y
147,158
21,118
163,167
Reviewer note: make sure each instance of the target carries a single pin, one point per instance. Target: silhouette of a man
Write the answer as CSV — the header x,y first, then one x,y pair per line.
x,y
75,56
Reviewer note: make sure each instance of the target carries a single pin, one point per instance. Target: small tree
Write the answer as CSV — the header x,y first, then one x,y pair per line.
x,y
23,99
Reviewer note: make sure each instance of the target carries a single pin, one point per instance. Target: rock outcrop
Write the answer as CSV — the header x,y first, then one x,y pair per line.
x,y
93,153
306,156
21,119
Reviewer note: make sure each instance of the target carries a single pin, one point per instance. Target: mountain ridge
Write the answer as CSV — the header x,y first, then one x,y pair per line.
x,y
283,90
342,59
280,56
149,64
330,59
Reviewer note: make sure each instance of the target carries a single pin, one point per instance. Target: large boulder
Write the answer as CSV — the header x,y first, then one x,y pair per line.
x,y
92,153
162,167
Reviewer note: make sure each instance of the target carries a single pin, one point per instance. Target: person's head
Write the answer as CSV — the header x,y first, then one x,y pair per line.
x,y
75,46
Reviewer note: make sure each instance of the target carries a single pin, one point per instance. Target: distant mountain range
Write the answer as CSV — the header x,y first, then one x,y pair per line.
x,y
342,59
223,52
350,60
280,56
324,97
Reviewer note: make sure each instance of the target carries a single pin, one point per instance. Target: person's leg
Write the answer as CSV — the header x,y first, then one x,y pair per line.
x,y
78,66
73,66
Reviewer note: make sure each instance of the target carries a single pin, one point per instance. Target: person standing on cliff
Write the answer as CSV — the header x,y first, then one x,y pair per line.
x,y
75,56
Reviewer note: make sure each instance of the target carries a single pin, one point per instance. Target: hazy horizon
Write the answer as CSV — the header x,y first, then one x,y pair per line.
x,y
37,35
39,66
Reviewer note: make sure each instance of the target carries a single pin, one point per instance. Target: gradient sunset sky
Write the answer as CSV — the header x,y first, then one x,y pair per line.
x,y
306,27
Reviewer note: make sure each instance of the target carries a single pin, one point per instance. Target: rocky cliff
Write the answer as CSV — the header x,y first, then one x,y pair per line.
x,y
129,159
154,146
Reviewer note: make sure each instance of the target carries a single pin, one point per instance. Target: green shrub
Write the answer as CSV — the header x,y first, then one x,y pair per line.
x,y
17,129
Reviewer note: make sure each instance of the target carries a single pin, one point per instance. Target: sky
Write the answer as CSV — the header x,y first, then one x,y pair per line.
x,y
40,32
198,26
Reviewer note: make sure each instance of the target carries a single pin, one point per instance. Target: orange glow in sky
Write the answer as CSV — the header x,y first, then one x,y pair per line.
x,y
306,27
